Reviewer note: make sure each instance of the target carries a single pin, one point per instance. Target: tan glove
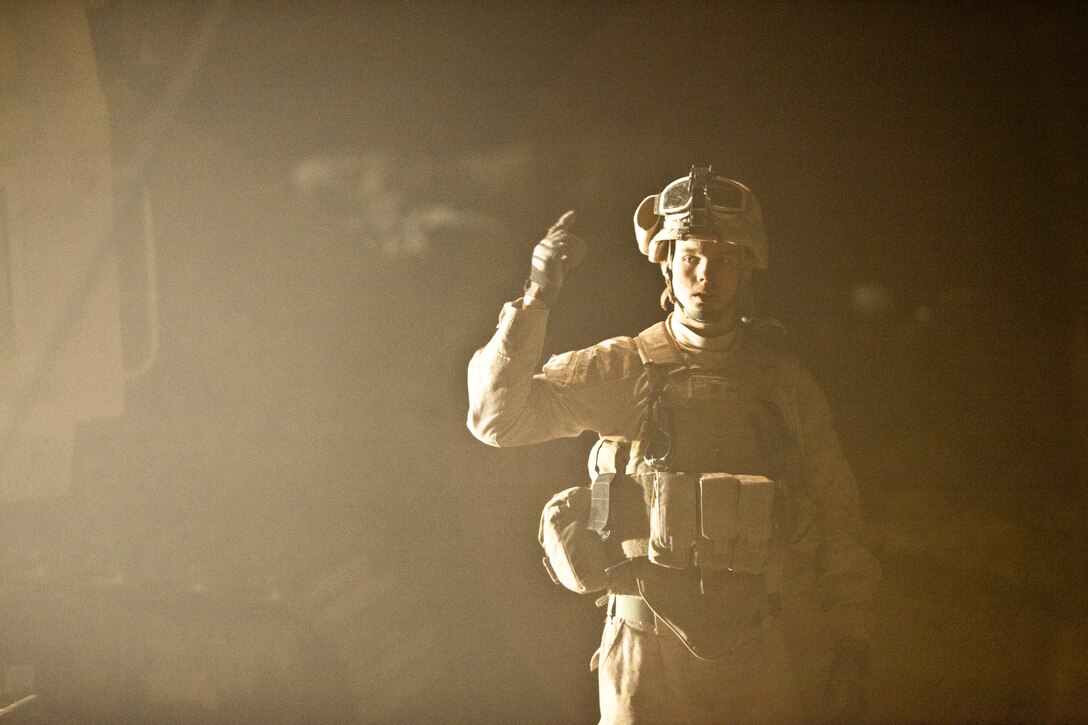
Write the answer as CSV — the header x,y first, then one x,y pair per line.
x,y
559,252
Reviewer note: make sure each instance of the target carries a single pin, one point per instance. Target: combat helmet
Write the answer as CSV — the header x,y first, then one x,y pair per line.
x,y
702,205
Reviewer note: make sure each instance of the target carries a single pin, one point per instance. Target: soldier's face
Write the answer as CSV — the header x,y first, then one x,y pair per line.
x,y
705,274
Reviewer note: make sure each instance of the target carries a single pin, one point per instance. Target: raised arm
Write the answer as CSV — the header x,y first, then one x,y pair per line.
x,y
510,403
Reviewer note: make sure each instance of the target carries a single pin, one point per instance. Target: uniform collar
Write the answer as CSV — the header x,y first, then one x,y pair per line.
x,y
689,340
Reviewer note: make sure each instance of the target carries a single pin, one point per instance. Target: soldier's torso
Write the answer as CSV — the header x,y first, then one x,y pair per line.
x,y
708,434
721,418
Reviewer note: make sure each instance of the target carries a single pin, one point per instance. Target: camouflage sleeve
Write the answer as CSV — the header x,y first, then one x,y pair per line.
x,y
590,389
847,572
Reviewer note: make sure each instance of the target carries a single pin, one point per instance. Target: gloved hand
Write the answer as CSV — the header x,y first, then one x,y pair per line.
x,y
554,257
846,692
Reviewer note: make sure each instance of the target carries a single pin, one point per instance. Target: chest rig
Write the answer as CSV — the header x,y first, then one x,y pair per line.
x,y
709,463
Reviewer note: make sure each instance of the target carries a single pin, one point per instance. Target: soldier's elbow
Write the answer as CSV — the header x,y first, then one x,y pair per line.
x,y
487,430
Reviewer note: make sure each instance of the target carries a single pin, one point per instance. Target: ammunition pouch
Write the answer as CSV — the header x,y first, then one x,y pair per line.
x,y
716,521
674,519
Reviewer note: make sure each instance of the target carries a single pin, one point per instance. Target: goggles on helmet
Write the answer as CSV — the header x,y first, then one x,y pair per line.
x,y
703,190
697,197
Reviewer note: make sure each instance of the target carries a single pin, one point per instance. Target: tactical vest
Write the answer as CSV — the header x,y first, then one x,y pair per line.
x,y
706,476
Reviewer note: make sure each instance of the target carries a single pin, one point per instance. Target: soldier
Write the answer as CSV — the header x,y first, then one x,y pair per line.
x,y
718,485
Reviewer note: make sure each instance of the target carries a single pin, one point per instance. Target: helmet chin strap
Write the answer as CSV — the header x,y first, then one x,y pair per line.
x,y
707,318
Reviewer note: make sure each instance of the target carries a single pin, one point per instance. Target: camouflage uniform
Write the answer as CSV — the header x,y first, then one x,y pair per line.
x,y
645,673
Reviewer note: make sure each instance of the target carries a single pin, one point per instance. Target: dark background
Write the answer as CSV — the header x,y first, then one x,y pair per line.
x,y
299,523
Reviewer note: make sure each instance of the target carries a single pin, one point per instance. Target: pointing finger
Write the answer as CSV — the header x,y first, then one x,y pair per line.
x,y
564,223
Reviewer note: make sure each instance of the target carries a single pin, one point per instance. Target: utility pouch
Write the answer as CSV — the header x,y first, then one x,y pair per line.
x,y
755,524
674,519
600,498
574,555
604,465
718,498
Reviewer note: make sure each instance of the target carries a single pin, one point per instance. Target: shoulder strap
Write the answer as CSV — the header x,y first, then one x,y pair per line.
x,y
655,346
656,350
